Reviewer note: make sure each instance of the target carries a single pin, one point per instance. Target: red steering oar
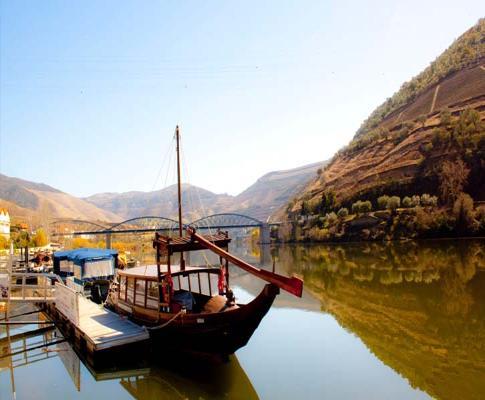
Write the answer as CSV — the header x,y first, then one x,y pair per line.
x,y
292,285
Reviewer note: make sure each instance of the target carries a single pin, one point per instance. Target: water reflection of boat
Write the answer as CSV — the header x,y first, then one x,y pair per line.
x,y
191,381
182,378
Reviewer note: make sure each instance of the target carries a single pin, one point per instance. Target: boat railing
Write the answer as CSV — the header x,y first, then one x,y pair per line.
x,y
201,281
143,292
31,286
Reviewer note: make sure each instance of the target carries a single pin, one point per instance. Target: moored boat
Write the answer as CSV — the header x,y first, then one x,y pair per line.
x,y
192,308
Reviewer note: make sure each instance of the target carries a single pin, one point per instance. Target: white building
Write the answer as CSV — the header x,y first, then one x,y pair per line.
x,y
4,223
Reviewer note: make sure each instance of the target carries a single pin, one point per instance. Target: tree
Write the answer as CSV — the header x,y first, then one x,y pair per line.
x,y
331,218
393,203
80,242
382,202
343,213
328,201
445,118
21,240
304,208
40,238
421,120
3,242
366,206
356,207
407,202
454,177
429,201
463,212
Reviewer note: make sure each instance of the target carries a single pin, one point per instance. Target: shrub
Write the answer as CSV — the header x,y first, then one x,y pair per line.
x,y
343,212
415,200
393,203
332,218
361,207
382,202
319,234
429,201
428,147
407,202
366,206
445,117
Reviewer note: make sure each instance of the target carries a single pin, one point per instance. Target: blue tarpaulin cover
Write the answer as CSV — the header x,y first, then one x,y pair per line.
x,y
84,258
79,256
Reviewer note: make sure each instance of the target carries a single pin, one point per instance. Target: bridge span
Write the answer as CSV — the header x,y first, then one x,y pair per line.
x,y
147,224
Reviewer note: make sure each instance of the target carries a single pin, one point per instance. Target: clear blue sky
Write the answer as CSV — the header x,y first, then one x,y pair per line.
x,y
91,90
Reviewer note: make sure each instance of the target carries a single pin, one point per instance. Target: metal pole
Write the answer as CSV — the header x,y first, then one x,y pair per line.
x,y
179,187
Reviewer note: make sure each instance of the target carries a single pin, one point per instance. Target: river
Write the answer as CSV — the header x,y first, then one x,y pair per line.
x,y
376,321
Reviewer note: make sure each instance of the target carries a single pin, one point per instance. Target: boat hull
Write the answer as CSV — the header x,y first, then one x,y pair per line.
x,y
219,333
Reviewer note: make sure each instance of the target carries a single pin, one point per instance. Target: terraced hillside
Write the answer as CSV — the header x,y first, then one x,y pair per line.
x,y
401,148
384,165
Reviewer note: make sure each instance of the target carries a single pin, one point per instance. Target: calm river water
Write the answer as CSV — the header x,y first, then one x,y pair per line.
x,y
395,321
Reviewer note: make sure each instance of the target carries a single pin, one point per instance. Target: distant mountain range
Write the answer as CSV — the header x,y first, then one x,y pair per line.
x,y
260,200
38,201
25,199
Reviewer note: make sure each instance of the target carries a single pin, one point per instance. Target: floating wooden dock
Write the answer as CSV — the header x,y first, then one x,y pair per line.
x,y
90,325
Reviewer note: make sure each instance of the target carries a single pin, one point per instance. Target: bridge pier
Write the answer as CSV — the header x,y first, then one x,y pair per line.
x,y
264,234
108,240
265,255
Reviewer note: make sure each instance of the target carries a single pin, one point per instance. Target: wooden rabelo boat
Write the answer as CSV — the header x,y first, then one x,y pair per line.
x,y
193,308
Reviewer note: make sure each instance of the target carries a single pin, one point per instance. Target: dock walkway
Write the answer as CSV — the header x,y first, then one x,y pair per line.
x,y
92,324
105,329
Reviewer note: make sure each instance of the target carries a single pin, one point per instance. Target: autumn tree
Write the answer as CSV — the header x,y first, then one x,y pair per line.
x,y
3,242
40,238
454,175
463,212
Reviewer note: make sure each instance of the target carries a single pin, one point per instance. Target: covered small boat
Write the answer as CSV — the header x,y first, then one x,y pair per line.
x,y
87,270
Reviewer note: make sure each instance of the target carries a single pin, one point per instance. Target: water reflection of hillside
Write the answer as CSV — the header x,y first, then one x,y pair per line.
x,y
419,307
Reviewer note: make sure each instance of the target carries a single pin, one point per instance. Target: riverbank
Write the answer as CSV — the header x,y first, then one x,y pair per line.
x,y
420,222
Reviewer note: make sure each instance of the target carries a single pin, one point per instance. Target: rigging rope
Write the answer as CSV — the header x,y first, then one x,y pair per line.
x,y
165,157
154,328
204,214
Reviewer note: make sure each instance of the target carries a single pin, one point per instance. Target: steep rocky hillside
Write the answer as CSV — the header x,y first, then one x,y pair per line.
x,y
273,190
267,194
437,116
25,199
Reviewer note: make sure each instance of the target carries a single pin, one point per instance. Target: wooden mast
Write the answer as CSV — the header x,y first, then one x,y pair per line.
x,y
179,189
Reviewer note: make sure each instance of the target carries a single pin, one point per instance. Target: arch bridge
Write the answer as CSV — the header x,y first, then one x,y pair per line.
x,y
146,224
